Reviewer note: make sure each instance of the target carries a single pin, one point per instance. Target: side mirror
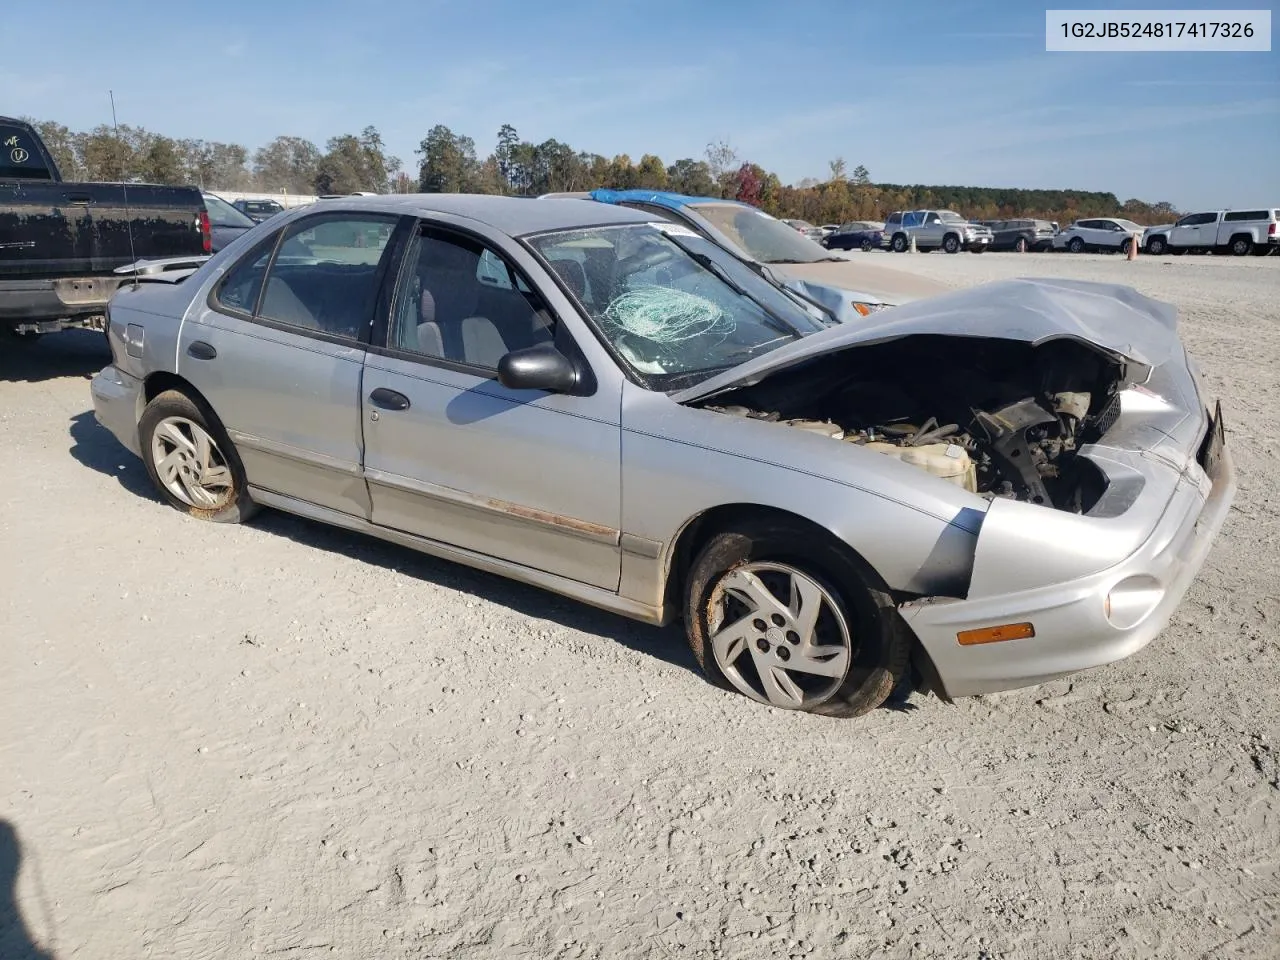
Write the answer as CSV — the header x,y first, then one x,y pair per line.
x,y
540,367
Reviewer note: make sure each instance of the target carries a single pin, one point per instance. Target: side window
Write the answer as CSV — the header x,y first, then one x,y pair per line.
x,y
893,221
911,219
239,289
459,300
325,275
931,218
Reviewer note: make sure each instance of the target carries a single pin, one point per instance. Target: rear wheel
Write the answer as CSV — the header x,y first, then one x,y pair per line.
x,y
1076,245
866,246
1156,246
899,243
793,623
191,460
1241,246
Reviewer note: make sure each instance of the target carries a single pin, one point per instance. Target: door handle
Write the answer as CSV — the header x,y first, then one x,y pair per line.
x,y
389,399
199,350
80,198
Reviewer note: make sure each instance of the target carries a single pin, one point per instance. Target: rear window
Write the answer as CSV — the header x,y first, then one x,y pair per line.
x,y
1235,216
20,156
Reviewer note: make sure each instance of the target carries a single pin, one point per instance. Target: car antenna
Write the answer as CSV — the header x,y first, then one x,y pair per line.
x,y
128,214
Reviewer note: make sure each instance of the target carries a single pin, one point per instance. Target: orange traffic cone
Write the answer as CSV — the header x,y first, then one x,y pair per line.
x,y
1133,246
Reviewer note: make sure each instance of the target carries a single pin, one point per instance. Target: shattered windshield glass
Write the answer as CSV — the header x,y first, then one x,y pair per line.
x,y
672,305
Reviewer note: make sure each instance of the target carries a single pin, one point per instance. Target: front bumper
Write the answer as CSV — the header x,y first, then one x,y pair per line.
x,y
1073,628
117,399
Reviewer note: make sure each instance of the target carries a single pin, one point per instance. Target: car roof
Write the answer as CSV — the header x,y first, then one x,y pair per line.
x,y
662,198
514,216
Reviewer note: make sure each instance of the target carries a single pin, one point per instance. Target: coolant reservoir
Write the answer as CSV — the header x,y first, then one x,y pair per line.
x,y
946,460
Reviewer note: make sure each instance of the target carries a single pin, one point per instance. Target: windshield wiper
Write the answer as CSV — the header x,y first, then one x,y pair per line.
x,y
711,266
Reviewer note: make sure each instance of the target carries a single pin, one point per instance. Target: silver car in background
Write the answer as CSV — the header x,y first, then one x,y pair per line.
x,y
995,487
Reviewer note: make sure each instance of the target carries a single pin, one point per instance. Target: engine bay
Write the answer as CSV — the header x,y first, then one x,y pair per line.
x,y
1000,418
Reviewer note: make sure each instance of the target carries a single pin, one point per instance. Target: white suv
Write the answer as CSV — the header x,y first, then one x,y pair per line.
x,y
1105,233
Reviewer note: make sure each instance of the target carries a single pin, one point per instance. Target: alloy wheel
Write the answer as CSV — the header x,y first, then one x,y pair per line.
x,y
190,465
778,635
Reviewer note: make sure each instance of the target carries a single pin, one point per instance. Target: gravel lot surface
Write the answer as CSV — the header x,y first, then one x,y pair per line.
x,y
285,740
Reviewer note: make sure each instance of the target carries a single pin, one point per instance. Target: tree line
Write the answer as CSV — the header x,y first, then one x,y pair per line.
x,y
449,162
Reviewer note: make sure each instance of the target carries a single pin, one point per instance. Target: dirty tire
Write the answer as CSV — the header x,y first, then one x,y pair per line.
x,y
234,506
881,643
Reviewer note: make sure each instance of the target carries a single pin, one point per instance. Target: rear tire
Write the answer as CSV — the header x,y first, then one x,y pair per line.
x,y
794,622
866,246
1076,245
191,460
899,243
1241,246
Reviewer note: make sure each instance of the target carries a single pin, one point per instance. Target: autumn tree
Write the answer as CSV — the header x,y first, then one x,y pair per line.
x,y
691,177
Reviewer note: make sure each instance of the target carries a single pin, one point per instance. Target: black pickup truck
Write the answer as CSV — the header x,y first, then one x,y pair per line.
x,y
63,245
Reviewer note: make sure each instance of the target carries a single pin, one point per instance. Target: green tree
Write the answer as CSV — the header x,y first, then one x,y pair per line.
x,y
621,174
691,177
504,156
650,173
106,155
447,161
287,164
861,176
161,161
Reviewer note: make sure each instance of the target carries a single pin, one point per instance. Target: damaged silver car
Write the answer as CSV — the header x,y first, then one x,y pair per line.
x,y
984,490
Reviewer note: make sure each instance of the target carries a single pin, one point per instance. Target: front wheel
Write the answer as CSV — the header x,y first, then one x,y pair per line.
x,y
951,243
792,623
191,460
1156,246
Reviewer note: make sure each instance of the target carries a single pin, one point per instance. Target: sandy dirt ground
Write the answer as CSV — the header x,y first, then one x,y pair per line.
x,y
284,740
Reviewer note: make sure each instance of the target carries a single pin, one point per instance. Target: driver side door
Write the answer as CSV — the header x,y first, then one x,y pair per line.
x,y
528,476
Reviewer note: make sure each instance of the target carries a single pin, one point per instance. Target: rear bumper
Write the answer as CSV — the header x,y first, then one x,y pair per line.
x,y
116,401
55,299
1076,624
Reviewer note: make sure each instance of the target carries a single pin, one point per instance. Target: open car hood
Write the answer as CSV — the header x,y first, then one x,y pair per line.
x,y
1116,320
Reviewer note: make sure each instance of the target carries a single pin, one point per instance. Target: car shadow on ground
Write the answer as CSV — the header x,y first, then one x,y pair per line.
x,y
15,939
94,447
69,353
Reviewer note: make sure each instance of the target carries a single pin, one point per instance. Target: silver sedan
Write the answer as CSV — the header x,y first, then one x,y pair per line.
x,y
977,491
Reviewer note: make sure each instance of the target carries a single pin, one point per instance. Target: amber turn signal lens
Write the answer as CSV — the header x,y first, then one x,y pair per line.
x,y
1007,631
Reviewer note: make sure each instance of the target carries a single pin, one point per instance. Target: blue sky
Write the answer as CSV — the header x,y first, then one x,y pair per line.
x,y
960,92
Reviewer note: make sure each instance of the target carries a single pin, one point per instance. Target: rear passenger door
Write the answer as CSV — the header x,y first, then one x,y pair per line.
x,y
528,476
278,351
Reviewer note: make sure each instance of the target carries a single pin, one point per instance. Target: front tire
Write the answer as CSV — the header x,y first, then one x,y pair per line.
x,y
1156,246
951,243
192,461
792,622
